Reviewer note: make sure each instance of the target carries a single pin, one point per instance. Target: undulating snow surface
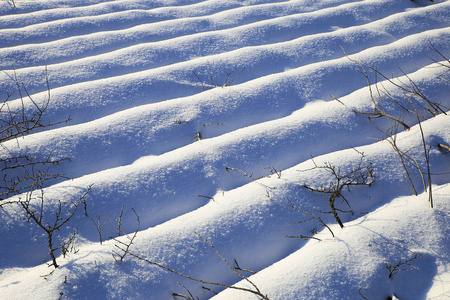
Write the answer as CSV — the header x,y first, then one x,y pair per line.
x,y
211,119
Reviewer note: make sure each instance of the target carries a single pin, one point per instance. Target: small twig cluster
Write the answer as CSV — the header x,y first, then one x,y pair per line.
x,y
68,245
99,226
310,218
124,247
228,81
272,170
360,175
403,264
244,173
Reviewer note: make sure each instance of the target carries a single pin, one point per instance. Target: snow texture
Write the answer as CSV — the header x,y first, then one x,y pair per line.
x,y
215,119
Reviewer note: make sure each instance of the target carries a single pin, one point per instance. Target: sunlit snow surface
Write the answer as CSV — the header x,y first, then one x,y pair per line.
x,y
142,80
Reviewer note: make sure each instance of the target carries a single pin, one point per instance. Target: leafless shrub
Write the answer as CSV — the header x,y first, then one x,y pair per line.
x,y
21,173
359,175
413,104
34,207
228,81
124,247
18,122
236,269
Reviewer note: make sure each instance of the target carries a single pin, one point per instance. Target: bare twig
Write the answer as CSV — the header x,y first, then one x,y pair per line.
x,y
403,265
444,147
311,217
124,247
99,226
254,290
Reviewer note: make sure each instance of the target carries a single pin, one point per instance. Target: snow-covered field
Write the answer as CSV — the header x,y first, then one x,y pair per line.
x,y
216,119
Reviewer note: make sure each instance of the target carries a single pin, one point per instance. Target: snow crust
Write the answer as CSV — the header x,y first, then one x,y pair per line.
x,y
143,80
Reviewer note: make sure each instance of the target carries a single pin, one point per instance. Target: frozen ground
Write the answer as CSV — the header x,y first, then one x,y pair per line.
x,y
203,116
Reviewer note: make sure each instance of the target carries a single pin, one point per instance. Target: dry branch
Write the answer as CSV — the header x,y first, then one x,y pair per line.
x,y
255,290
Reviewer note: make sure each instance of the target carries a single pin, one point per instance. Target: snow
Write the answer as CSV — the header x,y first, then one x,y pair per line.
x,y
141,80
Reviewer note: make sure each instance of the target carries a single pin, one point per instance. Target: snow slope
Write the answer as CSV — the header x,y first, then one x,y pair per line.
x,y
143,80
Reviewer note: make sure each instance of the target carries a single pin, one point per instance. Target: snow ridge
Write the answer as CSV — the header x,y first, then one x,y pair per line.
x,y
172,101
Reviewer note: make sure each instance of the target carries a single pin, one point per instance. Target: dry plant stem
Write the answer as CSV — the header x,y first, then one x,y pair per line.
x,y
125,247
182,296
255,291
13,2
18,123
190,297
427,159
240,269
207,197
68,245
444,147
312,217
209,289
119,222
99,226
392,139
22,173
440,64
401,264
359,291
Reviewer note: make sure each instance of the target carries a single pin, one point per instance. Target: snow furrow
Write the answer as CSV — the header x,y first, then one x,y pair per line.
x,y
258,32
256,11
291,54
